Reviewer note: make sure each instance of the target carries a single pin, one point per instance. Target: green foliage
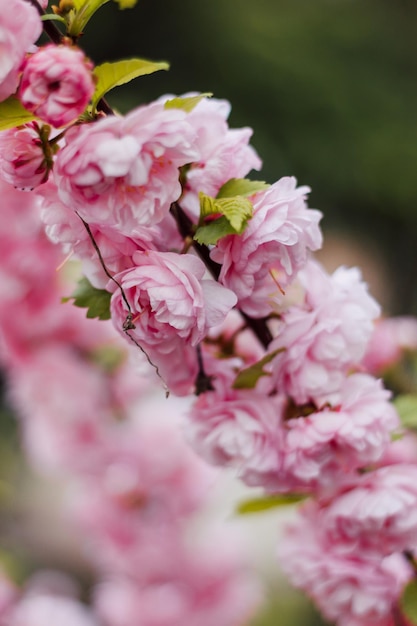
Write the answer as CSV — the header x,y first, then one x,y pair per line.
x,y
78,17
265,503
241,187
13,113
247,378
96,301
408,601
110,75
186,104
406,406
231,217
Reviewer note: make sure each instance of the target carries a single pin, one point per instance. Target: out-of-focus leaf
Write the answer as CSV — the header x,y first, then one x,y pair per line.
x,y
186,104
257,505
406,406
13,113
241,187
96,301
80,15
126,4
247,378
408,601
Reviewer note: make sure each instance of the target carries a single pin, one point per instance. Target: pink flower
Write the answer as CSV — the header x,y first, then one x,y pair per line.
x,y
224,153
262,261
16,37
324,448
349,589
390,339
123,172
173,304
134,505
204,587
378,515
39,609
241,429
22,159
325,336
57,84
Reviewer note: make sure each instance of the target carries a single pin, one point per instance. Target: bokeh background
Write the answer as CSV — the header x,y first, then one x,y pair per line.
x,y
330,89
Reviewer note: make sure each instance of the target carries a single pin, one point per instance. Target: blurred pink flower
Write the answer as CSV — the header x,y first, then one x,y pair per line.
x,y
57,84
22,159
39,609
351,589
16,37
390,339
203,587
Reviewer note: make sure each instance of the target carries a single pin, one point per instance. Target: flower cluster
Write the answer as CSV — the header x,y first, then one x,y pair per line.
x,y
211,287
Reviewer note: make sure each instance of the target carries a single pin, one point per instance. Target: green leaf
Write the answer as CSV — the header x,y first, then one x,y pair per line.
x,y
186,104
408,601
211,233
233,213
264,503
247,378
241,187
52,17
97,301
110,75
13,113
83,11
406,406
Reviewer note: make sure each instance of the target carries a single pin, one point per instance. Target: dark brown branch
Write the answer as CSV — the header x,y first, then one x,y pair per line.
x,y
49,27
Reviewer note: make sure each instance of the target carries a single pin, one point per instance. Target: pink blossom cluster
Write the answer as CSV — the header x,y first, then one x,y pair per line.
x,y
101,425
273,358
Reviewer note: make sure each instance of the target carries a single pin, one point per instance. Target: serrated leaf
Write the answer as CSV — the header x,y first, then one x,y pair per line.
x,y
211,233
237,210
110,75
406,406
81,14
248,377
241,187
265,503
13,113
96,301
186,104
408,601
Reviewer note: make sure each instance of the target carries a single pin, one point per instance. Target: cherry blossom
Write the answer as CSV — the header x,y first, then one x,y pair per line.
x,y
123,172
16,37
259,264
57,84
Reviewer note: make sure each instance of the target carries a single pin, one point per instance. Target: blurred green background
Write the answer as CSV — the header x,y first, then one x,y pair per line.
x,y
329,87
